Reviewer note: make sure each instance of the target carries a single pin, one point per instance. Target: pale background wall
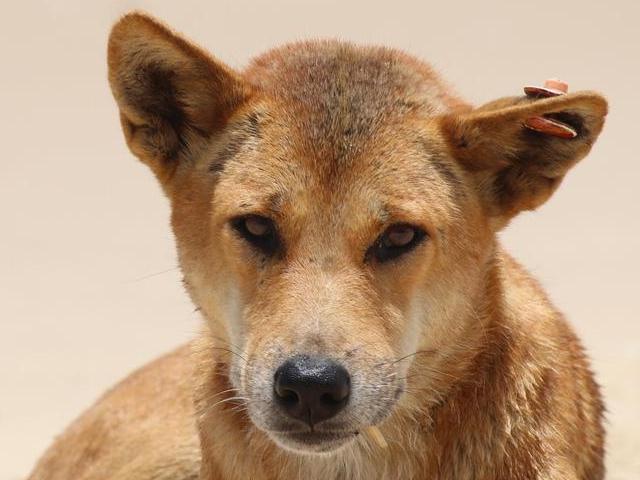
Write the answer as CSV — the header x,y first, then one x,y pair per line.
x,y
84,229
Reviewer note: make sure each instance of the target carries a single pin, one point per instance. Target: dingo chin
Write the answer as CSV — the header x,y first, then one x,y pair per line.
x,y
335,209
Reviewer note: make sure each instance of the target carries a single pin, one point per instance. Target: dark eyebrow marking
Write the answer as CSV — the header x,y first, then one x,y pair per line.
x,y
446,172
264,205
230,150
247,129
216,167
274,202
252,125
444,169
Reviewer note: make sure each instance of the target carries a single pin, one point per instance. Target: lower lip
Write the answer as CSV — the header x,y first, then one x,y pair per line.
x,y
315,441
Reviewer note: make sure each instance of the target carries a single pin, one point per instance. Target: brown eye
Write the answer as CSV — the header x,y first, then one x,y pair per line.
x,y
257,226
259,231
395,241
398,236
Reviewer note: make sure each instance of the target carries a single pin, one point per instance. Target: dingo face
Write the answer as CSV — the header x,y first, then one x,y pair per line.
x,y
321,259
327,259
334,210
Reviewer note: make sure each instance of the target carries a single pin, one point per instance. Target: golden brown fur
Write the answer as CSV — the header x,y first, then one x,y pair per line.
x,y
456,353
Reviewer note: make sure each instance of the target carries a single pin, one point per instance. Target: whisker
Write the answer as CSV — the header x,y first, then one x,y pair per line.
x,y
208,408
240,408
232,346
231,351
393,362
220,393
431,369
230,399
154,274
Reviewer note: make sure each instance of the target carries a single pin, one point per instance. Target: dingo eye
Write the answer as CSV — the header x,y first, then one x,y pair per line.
x,y
258,231
395,241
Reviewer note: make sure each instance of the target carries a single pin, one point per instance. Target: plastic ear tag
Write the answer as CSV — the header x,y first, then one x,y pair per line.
x,y
551,88
542,92
551,127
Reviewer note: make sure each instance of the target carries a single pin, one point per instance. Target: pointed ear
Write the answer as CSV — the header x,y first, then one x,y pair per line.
x,y
517,150
172,96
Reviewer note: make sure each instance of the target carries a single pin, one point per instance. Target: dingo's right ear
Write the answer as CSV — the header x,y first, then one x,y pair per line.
x,y
171,95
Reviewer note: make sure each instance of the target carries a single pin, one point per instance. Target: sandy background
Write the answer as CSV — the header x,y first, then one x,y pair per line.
x,y
88,286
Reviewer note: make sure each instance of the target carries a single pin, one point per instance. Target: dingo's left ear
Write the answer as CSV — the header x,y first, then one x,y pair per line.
x,y
171,94
518,149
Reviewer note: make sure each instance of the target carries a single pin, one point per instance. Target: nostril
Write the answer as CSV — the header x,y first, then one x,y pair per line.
x,y
283,390
287,396
332,399
327,398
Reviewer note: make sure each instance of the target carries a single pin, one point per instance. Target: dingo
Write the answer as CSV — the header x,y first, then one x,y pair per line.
x,y
335,209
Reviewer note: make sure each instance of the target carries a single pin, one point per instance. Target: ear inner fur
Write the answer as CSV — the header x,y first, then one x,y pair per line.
x,y
171,94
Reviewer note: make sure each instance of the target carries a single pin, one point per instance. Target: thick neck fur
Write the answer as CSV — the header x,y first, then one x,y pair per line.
x,y
450,423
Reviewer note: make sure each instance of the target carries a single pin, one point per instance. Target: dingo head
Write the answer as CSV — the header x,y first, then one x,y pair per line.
x,y
335,210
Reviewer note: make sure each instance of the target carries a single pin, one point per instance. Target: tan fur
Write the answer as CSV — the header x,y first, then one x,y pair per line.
x,y
456,353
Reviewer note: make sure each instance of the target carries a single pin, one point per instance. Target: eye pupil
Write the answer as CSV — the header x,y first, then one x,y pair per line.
x,y
395,241
260,232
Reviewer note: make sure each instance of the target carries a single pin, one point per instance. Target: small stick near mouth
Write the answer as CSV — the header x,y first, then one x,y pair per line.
x,y
375,433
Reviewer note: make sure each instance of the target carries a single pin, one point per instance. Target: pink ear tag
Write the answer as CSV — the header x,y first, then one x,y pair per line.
x,y
548,126
542,92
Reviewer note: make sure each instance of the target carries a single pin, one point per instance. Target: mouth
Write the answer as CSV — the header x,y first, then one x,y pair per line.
x,y
312,441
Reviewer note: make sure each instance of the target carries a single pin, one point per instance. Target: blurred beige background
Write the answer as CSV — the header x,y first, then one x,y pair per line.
x,y
88,285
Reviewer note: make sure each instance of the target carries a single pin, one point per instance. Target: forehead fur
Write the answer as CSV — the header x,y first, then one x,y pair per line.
x,y
344,118
341,94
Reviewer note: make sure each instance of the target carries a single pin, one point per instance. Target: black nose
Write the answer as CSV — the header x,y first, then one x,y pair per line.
x,y
311,389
